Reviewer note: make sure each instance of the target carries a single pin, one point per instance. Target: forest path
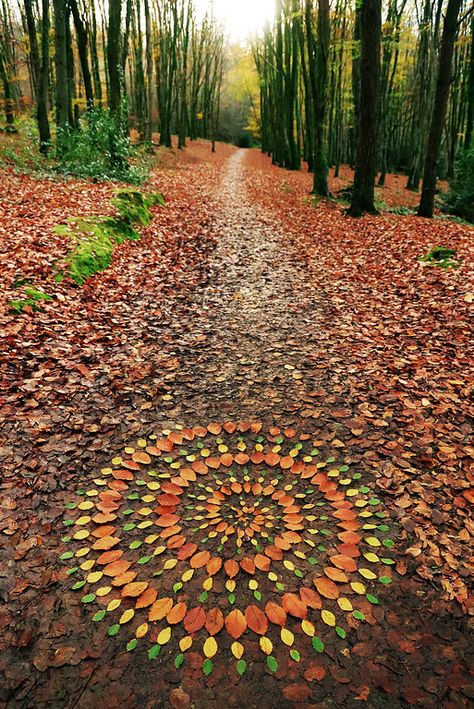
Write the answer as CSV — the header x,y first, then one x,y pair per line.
x,y
220,314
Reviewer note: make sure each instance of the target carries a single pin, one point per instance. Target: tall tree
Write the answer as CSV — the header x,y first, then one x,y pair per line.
x,y
363,192
440,104
43,81
82,48
63,102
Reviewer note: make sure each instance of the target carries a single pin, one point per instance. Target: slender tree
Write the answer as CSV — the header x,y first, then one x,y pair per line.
x,y
440,104
363,192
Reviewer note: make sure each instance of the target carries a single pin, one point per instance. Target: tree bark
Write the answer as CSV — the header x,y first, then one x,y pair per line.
x,y
43,81
363,193
63,111
82,44
440,104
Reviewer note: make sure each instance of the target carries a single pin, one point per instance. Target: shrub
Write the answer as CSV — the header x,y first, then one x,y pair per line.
x,y
460,198
99,149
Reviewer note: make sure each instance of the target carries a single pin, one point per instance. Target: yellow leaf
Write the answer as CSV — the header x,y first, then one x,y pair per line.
x,y
151,538
373,541
187,576
328,618
103,591
344,604
266,645
94,577
83,552
253,585
148,498
272,576
230,585
367,574
207,585
81,534
142,630
114,604
144,511
126,616
164,636
370,556
210,647
86,505
358,587
83,520
185,643
146,523
159,550
170,564
287,637
308,628
289,565
237,650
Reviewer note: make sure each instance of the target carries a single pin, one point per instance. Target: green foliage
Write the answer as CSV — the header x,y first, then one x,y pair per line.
x,y
460,198
95,237
441,256
34,298
99,149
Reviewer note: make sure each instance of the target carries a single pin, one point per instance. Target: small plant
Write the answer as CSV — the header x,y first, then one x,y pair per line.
x,y
441,256
460,198
34,299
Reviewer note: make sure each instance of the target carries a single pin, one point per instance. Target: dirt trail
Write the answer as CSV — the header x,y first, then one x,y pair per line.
x,y
251,338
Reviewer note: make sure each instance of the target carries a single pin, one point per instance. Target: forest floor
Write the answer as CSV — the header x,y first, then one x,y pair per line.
x,y
238,462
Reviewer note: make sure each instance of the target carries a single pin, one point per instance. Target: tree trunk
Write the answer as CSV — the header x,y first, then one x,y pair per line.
x,y
450,30
82,42
320,185
470,94
113,56
42,101
34,58
368,124
63,111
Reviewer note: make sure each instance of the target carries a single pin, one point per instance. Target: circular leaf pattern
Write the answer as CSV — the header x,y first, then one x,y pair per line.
x,y
228,530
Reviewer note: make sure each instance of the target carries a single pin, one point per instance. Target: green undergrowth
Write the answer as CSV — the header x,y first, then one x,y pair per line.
x,y
441,256
33,298
93,240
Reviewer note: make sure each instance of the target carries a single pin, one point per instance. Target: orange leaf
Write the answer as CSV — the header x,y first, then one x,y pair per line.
x,y
272,459
195,619
116,568
227,459
106,543
108,556
214,428
160,609
275,613
231,568
199,467
141,457
235,624
200,559
256,620
187,550
344,562
294,605
247,565
262,562
167,520
132,590
335,574
326,587
214,621
147,598
310,597
213,566
274,553
177,613
286,462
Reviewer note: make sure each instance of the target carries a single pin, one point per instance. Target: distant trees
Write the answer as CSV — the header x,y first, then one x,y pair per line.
x,y
151,63
339,95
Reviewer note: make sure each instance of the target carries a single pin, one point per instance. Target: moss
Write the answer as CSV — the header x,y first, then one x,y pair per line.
x,y
441,256
34,298
95,237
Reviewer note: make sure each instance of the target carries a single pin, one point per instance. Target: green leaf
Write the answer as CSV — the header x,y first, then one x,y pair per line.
x,y
203,597
113,630
88,598
71,505
100,615
132,644
78,585
386,560
72,571
280,586
179,660
231,598
135,545
389,543
241,667
257,595
372,599
66,555
207,667
358,615
177,586
341,632
317,644
128,527
295,655
154,652
385,579
144,559
272,663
